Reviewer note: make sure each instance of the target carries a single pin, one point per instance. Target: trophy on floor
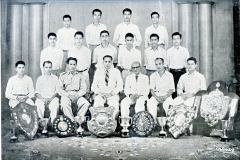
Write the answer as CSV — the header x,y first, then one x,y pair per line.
x,y
224,137
13,125
43,122
125,122
78,129
162,122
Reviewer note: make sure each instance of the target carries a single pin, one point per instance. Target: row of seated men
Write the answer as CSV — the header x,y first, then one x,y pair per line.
x,y
107,85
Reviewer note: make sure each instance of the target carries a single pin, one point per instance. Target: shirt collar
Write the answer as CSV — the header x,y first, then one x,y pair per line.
x,y
107,46
178,47
73,73
127,24
20,78
194,72
44,74
97,25
152,48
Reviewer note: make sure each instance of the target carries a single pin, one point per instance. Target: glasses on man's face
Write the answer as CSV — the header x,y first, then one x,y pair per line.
x,y
136,67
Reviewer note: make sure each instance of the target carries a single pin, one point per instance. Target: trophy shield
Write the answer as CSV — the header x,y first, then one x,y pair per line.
x,y
102,123
143,123
26,119
62,126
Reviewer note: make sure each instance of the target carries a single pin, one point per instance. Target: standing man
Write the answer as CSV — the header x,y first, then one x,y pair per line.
x,y
127,55
158,29
53,54
127,26
46,92
153,52
72,87
66,38
107,84
161,87
83,56
105,48
136,91
177,59
19,87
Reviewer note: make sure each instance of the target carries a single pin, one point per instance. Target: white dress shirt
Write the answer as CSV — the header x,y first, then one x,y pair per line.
x,y
99,52
83,56
177,58
93,33
46,85
151,55
161,31
162,84
17,86
65,38
127,57
122,29
55,55
191,83
115,82
139,86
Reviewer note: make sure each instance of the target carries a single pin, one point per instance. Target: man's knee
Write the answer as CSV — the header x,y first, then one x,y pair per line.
x,y
65,102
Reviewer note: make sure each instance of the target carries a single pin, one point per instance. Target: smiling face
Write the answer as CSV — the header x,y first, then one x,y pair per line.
x,y
129,41
127,16
20,69
107,62
155,19
52,41
78,40
154,41
97,16
191,66
104,38
47,68
66,22
176,40
72,65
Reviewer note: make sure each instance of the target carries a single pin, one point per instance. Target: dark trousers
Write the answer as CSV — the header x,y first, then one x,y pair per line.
x,y
176,75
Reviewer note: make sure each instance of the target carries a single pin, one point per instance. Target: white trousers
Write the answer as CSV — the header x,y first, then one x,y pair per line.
x,y
111,101
152,106
86,76
53,107
82,104
127,102
13,102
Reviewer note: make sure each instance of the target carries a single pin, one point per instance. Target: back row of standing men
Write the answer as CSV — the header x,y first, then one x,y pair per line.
x,y
67,45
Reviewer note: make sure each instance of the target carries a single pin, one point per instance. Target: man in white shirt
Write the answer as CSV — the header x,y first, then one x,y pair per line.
x,y
19,87
66,38
153,52
105,48
158,29
127,55
53,54
177,59
107,84
162,87
83,56
46,92
127,27
136,90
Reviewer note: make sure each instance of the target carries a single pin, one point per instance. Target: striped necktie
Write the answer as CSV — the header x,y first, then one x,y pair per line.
x,y
107,77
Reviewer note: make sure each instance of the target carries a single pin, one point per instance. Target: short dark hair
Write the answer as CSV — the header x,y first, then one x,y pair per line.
x,y
129,35
127,10
67,16
70,59
159,59
108,57
104,31
192,59
155,13
79,33
96,10
52,34
154,35
47,62
177,34
19,62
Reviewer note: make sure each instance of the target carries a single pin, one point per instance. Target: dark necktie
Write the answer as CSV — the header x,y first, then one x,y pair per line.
x,y
107,77
136,78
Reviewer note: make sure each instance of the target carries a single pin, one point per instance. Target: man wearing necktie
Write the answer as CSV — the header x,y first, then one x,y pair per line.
x,y
107,83
136,89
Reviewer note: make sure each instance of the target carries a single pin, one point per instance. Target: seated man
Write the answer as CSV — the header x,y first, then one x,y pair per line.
x,y
189,84
46,92
19,87
162,87
72,87
136,89
107,83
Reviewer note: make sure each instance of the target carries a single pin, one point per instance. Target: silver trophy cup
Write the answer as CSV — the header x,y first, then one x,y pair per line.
x,y
43,122
125,122
225,126
79,120
162,122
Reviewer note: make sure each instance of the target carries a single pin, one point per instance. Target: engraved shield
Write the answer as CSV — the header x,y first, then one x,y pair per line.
x,y
102,123
62,126
26,118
